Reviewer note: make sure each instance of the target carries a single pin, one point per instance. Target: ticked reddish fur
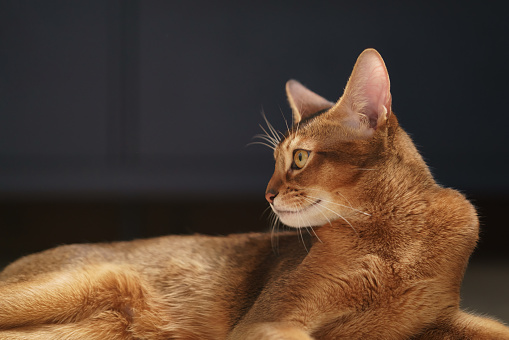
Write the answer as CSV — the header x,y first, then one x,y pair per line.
x,y
384,260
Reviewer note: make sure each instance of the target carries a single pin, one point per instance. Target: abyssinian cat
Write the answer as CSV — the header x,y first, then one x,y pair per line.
x,y
385,258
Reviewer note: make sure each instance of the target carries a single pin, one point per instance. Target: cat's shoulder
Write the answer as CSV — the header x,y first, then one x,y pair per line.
x,y
452,207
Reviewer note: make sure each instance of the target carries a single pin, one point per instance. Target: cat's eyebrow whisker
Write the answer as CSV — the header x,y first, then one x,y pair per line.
x,y
269,136
262,143
298,126
271,128
267,139
284,118
274,132
341,205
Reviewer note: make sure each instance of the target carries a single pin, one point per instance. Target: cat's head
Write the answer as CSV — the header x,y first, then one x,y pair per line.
x,y
335,154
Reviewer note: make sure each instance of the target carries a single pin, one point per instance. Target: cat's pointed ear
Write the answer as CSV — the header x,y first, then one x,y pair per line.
x,y
366,102
304,102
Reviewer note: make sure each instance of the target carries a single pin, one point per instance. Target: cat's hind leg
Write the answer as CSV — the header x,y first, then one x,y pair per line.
x,y
109,325
75,299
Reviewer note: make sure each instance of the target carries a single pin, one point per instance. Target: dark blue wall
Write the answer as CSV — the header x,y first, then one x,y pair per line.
x,y
144,97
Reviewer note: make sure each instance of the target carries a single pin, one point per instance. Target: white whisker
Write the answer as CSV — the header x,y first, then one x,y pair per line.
x,y
341,205
321,212
299,230
274,140
274,221
269,208
267,139
314,230
271,129
321,190
310,226
298,126
262,143
328,192
346,199
339,215
286,122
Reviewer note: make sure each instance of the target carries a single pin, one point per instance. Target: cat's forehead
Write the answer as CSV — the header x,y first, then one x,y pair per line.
x,y
321,133
297,140
306,136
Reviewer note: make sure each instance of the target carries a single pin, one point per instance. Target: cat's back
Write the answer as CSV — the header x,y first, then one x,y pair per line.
x,y
158,257
137,253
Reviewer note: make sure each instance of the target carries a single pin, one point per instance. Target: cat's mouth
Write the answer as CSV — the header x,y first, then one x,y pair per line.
x,y
292,212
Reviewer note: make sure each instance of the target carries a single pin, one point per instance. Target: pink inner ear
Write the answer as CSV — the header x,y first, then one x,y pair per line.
x,y
303,101
376,90
368,90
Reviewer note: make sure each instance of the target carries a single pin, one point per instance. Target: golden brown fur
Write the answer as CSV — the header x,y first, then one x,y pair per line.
x,y
384,259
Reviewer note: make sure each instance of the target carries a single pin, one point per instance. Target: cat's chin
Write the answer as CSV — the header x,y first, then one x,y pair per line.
x,y
307,217
297,224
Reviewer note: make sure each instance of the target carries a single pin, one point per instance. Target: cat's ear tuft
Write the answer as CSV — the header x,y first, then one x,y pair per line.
x,y
366,102
304,102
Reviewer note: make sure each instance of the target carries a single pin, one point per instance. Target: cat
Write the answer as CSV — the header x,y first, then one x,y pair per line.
x,y
384,257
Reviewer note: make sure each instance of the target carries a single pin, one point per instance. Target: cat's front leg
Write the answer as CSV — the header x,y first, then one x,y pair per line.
x,y
269,331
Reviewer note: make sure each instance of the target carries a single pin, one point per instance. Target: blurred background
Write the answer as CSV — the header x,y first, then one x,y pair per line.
x,y
129,119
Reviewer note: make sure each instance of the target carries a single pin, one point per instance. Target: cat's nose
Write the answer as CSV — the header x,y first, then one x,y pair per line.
x,y
270,195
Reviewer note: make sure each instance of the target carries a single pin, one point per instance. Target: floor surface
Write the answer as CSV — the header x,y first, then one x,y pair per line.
x,y
485,289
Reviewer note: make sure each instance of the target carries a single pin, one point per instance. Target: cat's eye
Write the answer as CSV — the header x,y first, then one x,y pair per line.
x,y
300,158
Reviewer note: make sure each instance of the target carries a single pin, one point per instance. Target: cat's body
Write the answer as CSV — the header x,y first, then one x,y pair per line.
x,y
195,287
384,260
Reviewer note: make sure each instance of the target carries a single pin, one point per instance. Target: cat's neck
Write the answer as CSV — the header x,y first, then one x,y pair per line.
x,y
401,209
406,177
401,197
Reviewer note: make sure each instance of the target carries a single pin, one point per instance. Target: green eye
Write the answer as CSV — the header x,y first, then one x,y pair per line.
x,y
300,158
